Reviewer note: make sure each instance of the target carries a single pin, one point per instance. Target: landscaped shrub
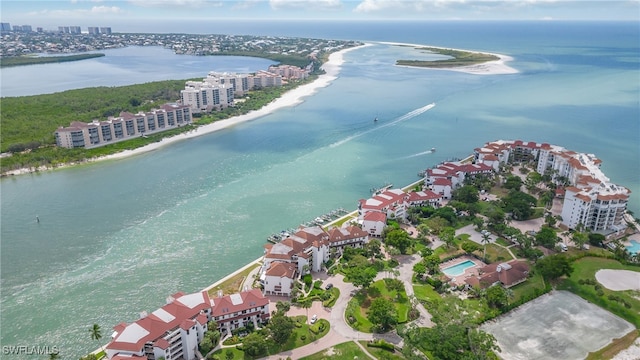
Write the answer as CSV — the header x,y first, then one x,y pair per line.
x,y
303,337
307,280
381,344
317,284
392,263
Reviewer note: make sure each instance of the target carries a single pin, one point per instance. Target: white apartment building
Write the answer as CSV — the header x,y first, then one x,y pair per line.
x,y
591,200
172,332
278,278
126,126
205,96
239,82
289,71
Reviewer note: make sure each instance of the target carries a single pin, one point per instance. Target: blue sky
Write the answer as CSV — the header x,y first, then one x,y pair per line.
x,y
117,14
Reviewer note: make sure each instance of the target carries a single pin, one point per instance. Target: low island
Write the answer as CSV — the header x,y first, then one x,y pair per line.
x,y
459,58
33,60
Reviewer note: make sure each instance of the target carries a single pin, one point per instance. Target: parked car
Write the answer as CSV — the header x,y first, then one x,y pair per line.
x,y
328,287
314,318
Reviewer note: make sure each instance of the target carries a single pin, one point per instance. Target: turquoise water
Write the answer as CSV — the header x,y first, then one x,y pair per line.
x,y
115,238
458,269
634,248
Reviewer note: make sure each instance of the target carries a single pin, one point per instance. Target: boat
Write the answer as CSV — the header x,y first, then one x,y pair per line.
x,y
433,149
376,119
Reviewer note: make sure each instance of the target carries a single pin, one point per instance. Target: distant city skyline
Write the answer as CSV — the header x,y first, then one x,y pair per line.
x,y
125,16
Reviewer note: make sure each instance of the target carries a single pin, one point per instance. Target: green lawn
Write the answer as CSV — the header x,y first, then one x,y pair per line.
x,y
359,304
585,269
310,333
346,351
381,354
528,288
425,292
495,253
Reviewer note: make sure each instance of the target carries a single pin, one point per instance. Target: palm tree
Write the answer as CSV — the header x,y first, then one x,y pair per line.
x,y
306,305
96,333
485,240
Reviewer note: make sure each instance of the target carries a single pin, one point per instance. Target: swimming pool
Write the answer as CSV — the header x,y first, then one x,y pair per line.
x,y
634,248
458,269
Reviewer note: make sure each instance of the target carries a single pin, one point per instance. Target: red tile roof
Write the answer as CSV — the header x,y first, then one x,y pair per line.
x,y
281,269
375,216
245,300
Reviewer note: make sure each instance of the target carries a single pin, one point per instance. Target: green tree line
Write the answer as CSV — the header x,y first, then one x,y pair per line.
x,y
28,122
32,60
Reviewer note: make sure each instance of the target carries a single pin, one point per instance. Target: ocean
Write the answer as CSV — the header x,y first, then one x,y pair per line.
x,y
116,237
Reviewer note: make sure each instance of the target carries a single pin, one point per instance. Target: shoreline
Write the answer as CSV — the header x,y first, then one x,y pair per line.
x,y
291,98
495,67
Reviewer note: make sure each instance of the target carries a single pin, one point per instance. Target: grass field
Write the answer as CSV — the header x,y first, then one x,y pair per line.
x,y
359,305
345,351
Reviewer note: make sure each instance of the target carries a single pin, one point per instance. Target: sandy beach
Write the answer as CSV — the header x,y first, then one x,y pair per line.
x,y
497,67
288,99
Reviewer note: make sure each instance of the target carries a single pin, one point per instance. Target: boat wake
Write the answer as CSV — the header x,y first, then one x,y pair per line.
x,y
407,116
431,151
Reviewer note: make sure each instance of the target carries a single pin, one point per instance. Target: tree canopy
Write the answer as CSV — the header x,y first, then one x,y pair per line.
x,y
466,194
547,237
554,266
398,239
519,204
382,314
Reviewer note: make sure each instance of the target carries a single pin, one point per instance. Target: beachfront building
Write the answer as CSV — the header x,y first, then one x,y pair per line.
x,y
171,332
126,126
289,72
206,96
239,82
506,274
278,278
235,311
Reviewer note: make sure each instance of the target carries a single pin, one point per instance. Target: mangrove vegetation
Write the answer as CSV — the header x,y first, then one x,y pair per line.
x,y
457,58
33,60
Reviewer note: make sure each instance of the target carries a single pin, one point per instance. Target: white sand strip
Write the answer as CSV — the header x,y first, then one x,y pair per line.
x,y
618,280
290,98
496,67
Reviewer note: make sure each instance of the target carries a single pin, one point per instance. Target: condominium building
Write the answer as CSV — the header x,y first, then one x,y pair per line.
x,y
591,200
393,203
126,126
206,96
289,71
235,311
171,332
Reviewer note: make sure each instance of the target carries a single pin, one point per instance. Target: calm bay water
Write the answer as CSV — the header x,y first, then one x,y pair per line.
x,y
117,237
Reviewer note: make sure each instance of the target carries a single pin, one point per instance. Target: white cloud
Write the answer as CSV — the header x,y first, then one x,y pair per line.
x,y
176,3
79,13
306,4
246,4
367,6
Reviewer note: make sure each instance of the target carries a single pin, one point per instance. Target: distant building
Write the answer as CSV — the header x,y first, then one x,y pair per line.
x,y
126,126
75,30
93,30
289,71
105,30
5,27
22,28
63,29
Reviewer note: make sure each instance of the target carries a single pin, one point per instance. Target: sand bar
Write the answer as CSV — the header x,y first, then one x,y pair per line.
x,y
496,67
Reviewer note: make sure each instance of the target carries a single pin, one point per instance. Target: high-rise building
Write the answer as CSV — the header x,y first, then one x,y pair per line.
x,y
75,29
93,30
5,27
105,30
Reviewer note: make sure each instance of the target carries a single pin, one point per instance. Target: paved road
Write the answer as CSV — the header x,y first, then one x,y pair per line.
x,y
340,330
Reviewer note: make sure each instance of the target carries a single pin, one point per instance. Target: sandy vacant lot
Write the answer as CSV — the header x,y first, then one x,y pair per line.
x,y
618,280
559,325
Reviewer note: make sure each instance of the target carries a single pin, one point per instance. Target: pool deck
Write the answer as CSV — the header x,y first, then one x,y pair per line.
x,y
472,271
